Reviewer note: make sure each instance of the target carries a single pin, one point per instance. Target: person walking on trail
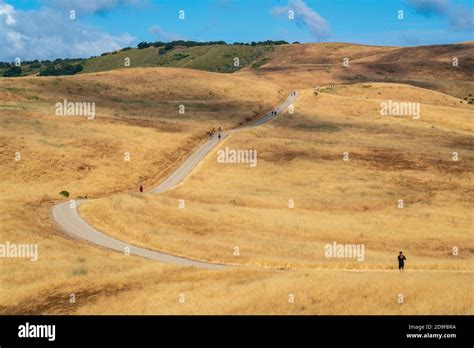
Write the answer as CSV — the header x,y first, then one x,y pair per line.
x,y
401,261
219,133
141,188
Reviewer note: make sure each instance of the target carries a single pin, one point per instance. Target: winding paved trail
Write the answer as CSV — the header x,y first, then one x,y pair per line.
x,y
70,222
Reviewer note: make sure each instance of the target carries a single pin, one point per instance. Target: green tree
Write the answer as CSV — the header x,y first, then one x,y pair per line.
x,y
12,72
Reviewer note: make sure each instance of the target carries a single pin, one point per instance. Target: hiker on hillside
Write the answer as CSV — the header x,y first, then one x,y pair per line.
x,y
141,188
401,261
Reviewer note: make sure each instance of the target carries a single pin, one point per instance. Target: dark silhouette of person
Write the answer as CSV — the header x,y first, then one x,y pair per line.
x,y
401,261
141,188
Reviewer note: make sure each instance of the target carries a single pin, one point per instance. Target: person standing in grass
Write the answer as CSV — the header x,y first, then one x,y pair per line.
x,y
401,261
141,188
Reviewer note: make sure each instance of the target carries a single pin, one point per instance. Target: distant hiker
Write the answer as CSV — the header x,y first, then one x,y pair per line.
x,y
401,261
219,136
141,188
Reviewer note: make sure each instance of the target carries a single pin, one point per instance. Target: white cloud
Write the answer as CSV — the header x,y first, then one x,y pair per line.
x,y
91,6
6,14
305,15
160,34
47,34
460,17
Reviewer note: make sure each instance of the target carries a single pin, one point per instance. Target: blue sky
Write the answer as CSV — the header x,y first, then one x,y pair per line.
x,y
42,29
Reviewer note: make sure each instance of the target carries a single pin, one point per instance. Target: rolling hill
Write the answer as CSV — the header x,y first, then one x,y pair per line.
x,y
305,65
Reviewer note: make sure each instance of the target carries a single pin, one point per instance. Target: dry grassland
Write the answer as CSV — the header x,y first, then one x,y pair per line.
x,y
137,112
228,205
300,157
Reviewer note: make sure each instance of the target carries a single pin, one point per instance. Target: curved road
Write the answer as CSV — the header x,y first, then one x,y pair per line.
x,y
70,222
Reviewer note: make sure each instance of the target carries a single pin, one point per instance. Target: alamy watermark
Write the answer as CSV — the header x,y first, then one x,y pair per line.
x,y
392,108
228,155
345,251
67,108
12,250
37,331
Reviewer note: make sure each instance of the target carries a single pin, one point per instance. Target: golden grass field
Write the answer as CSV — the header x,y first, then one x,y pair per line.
x,y
300,158
309,65
229,205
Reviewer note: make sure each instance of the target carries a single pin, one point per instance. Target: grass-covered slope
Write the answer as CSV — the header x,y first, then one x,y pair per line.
x,y
216,58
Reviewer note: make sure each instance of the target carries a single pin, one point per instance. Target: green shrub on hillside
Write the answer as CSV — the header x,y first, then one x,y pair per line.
x,y
67,69
143,45
13,72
